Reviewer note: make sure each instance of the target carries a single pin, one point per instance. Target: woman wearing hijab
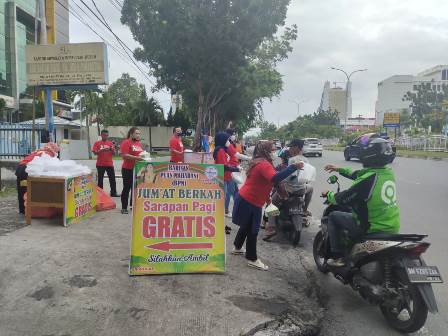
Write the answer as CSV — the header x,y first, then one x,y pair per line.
x,y
221,156
247,211
50,149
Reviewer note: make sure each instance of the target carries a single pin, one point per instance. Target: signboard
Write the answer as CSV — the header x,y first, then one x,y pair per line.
x,y
80,199
391,120
67,64
178,219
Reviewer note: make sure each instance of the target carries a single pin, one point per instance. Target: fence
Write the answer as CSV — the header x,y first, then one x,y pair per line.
x,y
434,143
16,140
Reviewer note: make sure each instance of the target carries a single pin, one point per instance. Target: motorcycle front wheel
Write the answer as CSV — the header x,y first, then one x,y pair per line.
x,y
410,313
319,253
296,230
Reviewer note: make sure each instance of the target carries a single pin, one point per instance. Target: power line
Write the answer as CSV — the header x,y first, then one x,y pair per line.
x,y
124,46
120,54
115,5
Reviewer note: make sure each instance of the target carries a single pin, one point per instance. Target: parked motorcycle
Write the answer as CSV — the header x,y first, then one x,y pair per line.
x,y
387,270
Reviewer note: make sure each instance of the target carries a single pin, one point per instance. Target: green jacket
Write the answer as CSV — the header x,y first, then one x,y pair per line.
x,y
372,198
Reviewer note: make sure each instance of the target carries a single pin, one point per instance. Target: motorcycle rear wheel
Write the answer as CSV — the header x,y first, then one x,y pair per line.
x,y
319,259
412,306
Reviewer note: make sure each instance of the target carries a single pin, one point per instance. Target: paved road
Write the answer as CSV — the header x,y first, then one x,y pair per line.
x,y
422,194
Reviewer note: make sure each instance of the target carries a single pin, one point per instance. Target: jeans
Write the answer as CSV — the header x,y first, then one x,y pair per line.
x,y
230,190
21,176
110,174
128,176
338,222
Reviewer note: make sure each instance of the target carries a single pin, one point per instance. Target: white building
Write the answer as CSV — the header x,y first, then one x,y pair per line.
x,y
392,90
334,99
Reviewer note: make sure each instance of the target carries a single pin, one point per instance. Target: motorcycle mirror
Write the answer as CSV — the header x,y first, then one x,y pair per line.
x,y
333,179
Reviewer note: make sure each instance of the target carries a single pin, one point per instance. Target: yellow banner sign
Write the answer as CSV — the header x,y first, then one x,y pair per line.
x,y
391,119
178,219
80,199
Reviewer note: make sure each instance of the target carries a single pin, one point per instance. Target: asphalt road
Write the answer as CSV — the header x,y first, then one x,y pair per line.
x,y
422,188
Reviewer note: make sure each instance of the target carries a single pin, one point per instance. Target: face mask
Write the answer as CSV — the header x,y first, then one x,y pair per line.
x,y
233,138
227,143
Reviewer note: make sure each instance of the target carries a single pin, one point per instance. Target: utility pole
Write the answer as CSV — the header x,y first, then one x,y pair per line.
x,y
347,89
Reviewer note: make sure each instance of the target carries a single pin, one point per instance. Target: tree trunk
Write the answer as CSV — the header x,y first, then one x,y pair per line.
x,y
200,120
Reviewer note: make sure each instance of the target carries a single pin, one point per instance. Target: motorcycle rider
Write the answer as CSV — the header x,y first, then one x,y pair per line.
x,y
292,183
372,198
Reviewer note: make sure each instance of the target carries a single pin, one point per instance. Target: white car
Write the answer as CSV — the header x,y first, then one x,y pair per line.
x,y
312,146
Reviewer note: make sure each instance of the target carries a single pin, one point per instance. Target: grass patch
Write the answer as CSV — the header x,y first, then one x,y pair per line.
x,y
422,154
7,192
403,153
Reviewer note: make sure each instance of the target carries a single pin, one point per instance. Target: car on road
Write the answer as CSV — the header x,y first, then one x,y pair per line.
x,y
352,150
312,146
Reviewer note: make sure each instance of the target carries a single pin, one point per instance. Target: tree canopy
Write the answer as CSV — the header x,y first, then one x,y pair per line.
x,y
218,52
428,106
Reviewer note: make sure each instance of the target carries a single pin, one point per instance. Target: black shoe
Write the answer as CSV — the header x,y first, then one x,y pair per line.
x,y
124,212
228,229
115,195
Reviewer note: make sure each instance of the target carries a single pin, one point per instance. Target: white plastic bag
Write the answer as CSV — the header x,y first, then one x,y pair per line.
x,y
271,211
237,178
307,174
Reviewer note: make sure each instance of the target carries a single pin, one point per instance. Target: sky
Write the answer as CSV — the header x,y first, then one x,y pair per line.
x,y
388,37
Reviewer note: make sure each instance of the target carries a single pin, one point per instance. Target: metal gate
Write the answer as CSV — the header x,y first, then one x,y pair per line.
x,y
16,140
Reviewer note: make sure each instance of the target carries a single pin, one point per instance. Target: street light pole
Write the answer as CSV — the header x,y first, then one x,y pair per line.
x,y
347,88
297,102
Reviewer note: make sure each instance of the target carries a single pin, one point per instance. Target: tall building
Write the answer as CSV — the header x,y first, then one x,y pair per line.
x,y
392,90
17,29
334,99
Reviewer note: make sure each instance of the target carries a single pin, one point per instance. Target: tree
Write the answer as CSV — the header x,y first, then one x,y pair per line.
x,y
147,112
268,131
427,105
202,45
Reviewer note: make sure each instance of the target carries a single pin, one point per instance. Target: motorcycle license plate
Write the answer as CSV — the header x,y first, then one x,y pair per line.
x,y
424,274
294,211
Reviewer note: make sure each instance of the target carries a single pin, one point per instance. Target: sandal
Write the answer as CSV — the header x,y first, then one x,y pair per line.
x,y
258,265
269,235
241,251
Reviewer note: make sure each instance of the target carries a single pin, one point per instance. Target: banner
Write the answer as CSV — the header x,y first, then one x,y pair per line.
x,y
391,120
178,219
80,199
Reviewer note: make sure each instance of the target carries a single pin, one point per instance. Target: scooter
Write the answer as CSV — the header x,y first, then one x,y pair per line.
x,y
387,270
292,219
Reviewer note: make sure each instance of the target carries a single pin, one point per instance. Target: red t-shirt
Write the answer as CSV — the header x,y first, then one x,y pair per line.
x,y
104,158
233,160
130,147
176,144
27,159
223,158
258,184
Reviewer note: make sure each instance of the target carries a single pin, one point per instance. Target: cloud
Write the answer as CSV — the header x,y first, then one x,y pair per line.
x,y
387,37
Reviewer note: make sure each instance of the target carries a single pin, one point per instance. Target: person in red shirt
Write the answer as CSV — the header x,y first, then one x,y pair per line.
x,y
130,150
221,156
176,146
234,161
247,211
104,150
51,149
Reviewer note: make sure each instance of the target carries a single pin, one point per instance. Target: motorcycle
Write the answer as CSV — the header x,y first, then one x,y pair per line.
x,y
292,218
387,270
